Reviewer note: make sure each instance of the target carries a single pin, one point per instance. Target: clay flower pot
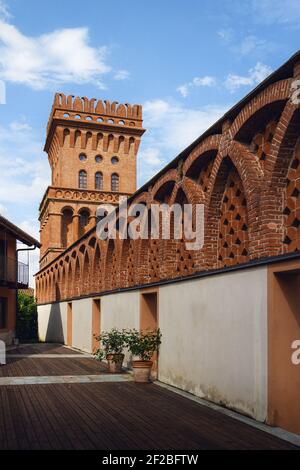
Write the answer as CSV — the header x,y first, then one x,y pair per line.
x,y
115,362
142,371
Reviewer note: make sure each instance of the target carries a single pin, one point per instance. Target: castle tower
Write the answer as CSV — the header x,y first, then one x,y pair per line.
x,y
92,148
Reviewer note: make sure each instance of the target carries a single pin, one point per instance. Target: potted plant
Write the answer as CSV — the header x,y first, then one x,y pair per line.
x,y
143,344
112,344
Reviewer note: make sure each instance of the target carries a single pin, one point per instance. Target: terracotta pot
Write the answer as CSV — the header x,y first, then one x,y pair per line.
x,y
115,363
142,371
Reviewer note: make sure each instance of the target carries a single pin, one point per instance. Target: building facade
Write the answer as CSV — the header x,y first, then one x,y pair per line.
x,y
14,275
92,148
229,312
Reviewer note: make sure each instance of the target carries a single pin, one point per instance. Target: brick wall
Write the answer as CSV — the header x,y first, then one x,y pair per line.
x,y
247,175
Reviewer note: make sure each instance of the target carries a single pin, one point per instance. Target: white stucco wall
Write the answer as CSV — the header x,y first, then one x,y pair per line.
x,y
82,324
214,329
214,340
52,322
121,311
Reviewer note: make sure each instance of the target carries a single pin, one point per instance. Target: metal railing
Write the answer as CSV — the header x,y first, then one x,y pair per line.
x,y
23,273
12,272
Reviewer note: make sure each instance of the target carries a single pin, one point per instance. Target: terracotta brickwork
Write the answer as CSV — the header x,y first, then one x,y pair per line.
x,y
88,144
245,171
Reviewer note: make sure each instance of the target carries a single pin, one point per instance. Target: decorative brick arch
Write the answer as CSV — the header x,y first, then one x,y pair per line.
x,y
210,144
226,171
169,177
277,91
279,203
112,263
96,268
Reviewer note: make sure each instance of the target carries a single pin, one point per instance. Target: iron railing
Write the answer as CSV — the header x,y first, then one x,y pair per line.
x,y
12,272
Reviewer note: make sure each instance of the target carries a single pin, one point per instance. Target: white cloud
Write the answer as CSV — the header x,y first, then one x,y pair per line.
x,y
277,11
252,44
61,56
170,128
226,35
24,174
255,76
183,90
151,156
4,12
121,75
3,210
206,81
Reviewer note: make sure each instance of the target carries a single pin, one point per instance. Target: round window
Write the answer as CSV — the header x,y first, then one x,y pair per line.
x,y
114,160
82,157
98,158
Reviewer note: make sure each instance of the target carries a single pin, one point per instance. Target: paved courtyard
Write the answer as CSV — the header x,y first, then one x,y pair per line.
x,y
52,397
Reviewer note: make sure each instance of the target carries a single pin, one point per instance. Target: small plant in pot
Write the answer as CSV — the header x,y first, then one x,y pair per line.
x,y
112,344
143,344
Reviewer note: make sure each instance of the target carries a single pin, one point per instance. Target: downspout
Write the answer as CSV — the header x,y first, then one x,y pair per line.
x,y
17,251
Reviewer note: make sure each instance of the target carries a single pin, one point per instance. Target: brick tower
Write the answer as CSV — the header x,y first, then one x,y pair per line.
x,y
92,148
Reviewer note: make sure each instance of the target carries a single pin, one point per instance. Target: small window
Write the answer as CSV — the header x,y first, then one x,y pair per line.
x,y
82,179
98,158
114,160
77,116
122,123
66,115
88,118
98,180
82,157
115,182
110,121
3,313
99,119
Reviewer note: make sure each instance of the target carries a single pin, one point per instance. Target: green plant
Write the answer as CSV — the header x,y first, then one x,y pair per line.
x,y
111,342
143,343
27,325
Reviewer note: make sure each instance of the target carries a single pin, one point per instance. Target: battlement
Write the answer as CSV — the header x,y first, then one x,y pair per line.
x,y
70,107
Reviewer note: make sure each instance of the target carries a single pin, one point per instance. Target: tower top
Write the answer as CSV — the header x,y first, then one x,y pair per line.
x,y
95,113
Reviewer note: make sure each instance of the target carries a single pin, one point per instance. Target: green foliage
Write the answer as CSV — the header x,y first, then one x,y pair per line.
x,y
111,342
27,324
140,343
143,343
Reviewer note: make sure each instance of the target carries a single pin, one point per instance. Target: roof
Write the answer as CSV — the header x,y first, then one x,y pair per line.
x,y
18,233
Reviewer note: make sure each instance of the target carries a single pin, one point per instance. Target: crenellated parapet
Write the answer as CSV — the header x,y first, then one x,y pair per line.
x,y
93,111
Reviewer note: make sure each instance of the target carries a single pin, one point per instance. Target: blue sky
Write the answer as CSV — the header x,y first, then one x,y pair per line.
x,y
185,62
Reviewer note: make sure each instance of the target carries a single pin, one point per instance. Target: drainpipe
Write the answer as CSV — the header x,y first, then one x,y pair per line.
x,y
17,251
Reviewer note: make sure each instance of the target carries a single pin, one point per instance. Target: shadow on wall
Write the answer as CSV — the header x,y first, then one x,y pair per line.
x,y
55,332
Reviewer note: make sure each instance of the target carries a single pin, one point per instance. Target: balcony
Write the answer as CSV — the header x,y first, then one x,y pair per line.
x,y
12,273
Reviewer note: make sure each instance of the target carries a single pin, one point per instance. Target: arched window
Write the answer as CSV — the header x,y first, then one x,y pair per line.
x,y
99,180
115,182
82,179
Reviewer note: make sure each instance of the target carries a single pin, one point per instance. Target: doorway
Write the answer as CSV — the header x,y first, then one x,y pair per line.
x,y
149,319
69,324
96,323
283,331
